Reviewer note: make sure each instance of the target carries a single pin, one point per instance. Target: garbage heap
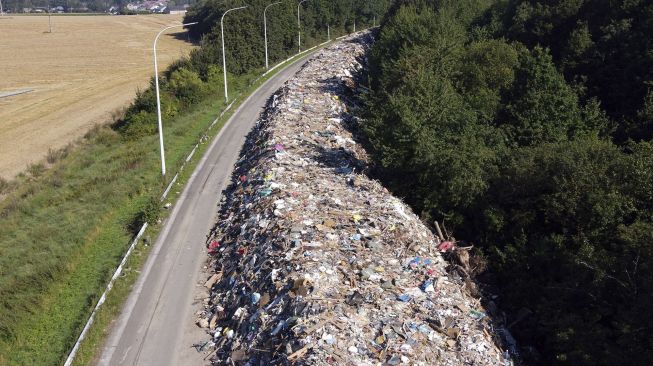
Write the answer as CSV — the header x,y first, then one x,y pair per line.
x,y
314,262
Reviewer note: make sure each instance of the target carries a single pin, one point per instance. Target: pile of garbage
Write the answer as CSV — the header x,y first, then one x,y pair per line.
x,y
314,262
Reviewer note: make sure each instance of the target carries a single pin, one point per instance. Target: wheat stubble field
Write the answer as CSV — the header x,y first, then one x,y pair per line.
x,y
85,70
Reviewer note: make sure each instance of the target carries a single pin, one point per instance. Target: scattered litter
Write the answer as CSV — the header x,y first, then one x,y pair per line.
x,y
445,246
202,346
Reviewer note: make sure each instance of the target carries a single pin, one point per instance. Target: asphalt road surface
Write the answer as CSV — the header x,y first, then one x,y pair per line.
x,y
156,325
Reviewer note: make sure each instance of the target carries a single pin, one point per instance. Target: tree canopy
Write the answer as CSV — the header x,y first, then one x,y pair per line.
x,y
244,37
525,126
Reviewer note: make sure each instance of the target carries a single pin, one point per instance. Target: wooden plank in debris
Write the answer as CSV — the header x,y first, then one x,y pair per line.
x,y
299,353
211,281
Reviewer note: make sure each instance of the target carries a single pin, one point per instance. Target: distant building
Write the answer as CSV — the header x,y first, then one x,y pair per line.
x,y
178,9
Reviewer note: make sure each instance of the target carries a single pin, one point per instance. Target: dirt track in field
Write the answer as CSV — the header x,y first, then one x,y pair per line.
x,y
82,72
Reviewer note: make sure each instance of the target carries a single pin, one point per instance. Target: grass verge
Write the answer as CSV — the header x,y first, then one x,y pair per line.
x,y
65,231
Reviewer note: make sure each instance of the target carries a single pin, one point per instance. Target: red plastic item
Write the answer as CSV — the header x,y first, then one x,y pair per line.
x,y
445,246
213,247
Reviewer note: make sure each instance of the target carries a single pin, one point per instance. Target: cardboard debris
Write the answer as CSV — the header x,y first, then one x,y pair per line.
x,y
318,263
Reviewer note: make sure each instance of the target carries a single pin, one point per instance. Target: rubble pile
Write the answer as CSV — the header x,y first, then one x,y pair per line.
x,y
315,263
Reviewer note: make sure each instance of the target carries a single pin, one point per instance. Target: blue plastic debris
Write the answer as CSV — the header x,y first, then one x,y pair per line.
x,y
425,329
426,286
404,297
344,170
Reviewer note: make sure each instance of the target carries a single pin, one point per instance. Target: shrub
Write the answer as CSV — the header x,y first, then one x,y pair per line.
x,y
187,86
140,124
149,213
215,78
151,210
55,155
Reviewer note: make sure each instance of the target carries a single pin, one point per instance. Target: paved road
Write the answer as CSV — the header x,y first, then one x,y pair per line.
x,y
156,326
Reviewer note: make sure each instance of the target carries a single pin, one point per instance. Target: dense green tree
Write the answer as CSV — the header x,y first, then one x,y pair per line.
x,y
244,41
188,81
541,106
605,45
573,215
486,72
489,116
423,131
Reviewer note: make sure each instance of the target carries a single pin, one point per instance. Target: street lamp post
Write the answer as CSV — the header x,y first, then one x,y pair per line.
x,y
158,98
265,32
299,27
224,62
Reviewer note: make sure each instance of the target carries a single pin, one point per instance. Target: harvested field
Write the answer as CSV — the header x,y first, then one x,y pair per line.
x,y
82,72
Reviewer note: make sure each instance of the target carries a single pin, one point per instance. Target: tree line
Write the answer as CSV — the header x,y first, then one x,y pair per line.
x,y
246,50
199,76
525,126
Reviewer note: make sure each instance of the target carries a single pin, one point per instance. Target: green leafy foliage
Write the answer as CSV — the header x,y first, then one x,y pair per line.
x,y
541,107
149,213
604,45
486,72
139,124
421,128
244,29
497,118
187,85
564,213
